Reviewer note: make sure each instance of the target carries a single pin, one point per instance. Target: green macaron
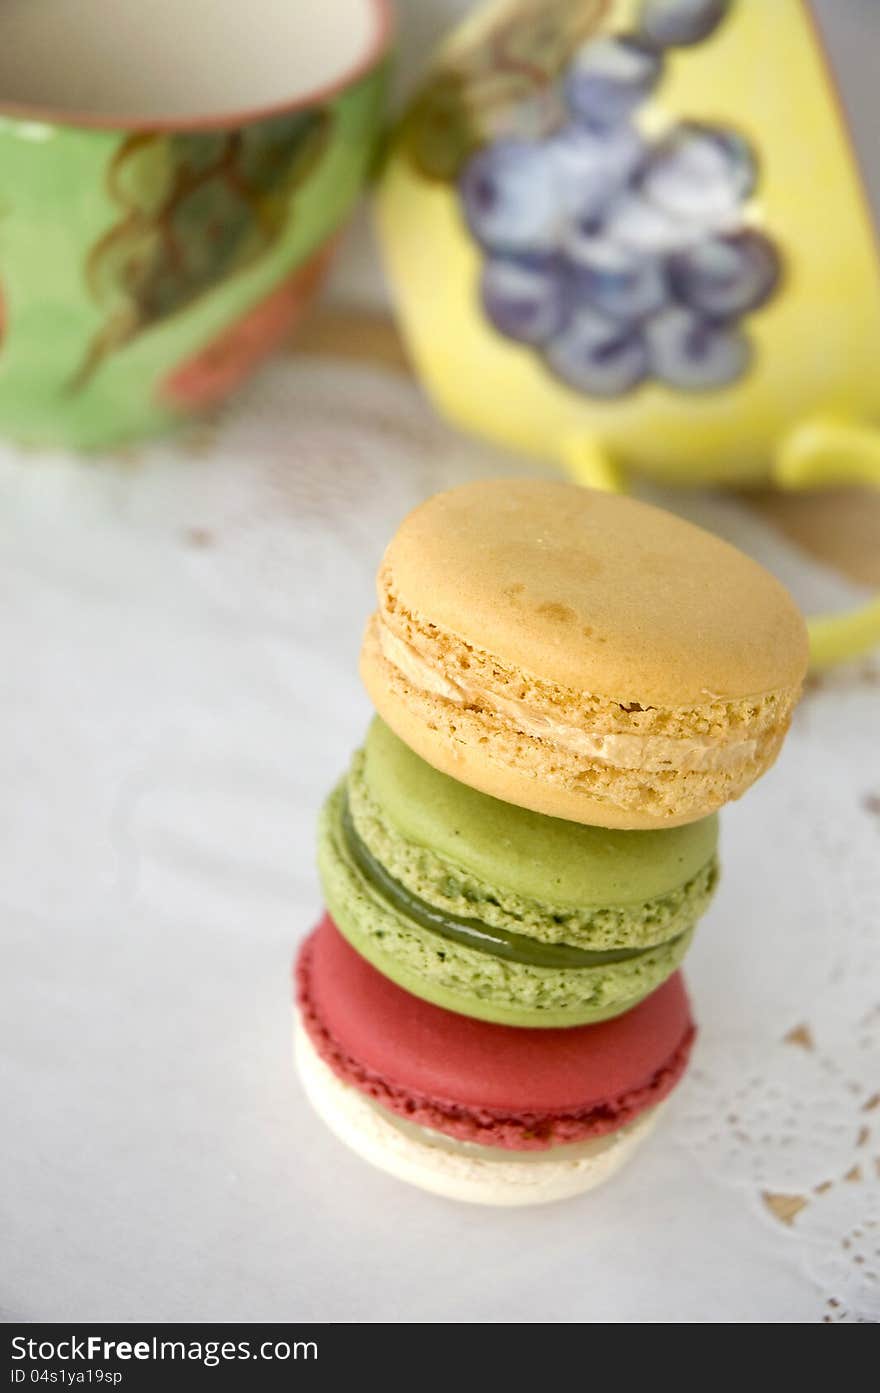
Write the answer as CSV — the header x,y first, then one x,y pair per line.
x,y
497,912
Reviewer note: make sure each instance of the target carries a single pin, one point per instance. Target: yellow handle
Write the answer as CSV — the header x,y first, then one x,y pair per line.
x,y
588,464
824,453
837,638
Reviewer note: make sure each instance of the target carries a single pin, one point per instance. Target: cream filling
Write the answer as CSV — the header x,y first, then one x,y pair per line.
x,y
586,1149
620,751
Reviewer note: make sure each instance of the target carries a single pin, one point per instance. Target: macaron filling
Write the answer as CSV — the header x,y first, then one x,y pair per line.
x,y
472,933
617,750
490,910
481,861
588,1149
469,979
571,1150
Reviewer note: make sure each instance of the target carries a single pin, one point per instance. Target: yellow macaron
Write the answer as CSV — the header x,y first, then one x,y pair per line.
x,y
581,654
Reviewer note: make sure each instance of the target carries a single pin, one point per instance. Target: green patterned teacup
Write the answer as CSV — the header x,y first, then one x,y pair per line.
x,y
171,179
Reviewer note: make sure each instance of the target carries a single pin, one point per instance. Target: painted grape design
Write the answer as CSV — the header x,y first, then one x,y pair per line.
x,y
501,81
194,209
622,259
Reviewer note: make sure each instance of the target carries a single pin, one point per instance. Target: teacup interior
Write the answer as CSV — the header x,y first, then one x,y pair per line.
x,y
178,60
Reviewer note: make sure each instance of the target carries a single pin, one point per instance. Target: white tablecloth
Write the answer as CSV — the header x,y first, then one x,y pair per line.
x,y
178,692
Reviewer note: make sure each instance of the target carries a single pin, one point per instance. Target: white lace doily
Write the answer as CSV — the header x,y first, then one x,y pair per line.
x,y
179,690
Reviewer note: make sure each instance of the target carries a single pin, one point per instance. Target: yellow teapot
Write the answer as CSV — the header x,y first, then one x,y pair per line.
x,y
632,235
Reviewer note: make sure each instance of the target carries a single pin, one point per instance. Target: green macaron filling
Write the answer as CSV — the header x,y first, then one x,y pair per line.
x,y
496,912
519,875
464,977
471,933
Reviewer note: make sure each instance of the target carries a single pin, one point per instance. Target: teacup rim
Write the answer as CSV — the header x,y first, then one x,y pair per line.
x,y
37,114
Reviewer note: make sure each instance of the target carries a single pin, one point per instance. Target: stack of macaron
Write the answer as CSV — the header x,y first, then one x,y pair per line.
x,y
569,685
